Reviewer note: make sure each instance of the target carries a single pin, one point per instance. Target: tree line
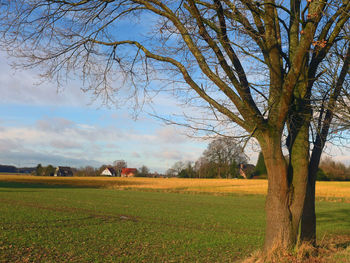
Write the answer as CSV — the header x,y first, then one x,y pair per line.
x,y
223,158
329,170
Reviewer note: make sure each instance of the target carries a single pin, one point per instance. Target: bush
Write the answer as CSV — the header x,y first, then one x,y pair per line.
x,y
335,171
321,176
260,168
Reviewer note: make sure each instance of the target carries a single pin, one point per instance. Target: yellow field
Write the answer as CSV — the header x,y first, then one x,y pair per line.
x,y
324,190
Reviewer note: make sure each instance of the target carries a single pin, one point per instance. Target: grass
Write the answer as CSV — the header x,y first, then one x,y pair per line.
x,y
60,221
97,225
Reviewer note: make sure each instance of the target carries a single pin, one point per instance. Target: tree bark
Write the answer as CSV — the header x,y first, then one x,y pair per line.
x,y
286,191
298,173
279,230
308,220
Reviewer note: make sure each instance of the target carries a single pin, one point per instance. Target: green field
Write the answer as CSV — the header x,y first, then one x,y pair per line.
x,y
59,223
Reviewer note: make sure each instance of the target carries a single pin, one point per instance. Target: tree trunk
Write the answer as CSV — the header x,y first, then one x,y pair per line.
x,y
308,220
279,230
286,192
299,158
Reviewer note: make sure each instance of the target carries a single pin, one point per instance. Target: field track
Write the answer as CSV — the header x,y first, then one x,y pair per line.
x,y
333,191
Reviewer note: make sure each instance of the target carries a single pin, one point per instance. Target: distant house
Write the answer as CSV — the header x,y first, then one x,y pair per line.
x,y
63,171
246,170
128,172
109,171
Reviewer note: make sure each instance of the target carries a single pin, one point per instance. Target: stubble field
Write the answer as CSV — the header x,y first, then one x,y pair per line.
x,y
332,191
46,219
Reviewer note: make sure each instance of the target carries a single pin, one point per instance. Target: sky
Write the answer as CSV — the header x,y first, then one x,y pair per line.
x,y
40,124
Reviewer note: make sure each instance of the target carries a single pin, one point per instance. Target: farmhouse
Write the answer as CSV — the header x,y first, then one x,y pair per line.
x,y
128,172
63,171
109,171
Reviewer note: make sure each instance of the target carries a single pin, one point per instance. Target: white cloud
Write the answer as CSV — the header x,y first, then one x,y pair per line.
x,y
6,144
22,87
136,155
174,155
65,144
55,140
170,134
32,158
54,124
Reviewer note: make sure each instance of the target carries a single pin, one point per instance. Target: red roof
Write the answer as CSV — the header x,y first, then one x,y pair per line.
x,y
129,170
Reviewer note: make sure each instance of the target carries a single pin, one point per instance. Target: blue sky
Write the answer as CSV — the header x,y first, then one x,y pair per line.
x,y
40,124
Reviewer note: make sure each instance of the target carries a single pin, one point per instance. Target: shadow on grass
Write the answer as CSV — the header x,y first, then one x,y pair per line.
x,y
343,245
28,185
336,216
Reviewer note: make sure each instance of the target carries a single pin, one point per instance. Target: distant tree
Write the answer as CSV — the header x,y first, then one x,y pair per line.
x,y
87,171
233,169
143,171
205,168
90,171
321,175
333,170
183,174
260,168
49,170
39,170
176,168
182,169
119,165
209,170
187,171
170,173
226,154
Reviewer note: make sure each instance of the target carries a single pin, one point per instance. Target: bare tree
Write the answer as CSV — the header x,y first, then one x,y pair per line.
x,y
143,171
251,64
226,153
176,168
119,165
